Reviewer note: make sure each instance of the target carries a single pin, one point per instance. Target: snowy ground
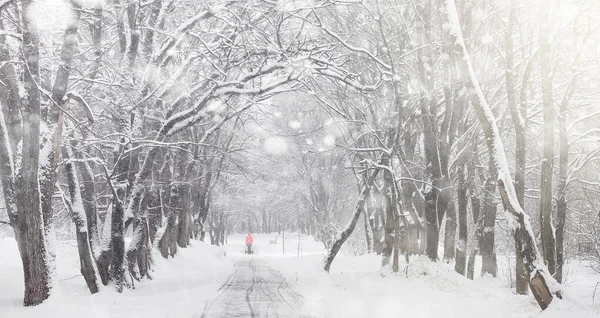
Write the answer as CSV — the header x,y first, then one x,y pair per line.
x,y
180,288
188,286
255,289
357,287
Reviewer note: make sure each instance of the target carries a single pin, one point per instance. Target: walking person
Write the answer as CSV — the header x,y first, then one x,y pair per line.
x,y
249,240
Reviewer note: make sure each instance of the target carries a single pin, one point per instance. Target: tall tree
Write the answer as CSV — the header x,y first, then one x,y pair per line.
x,y
547,229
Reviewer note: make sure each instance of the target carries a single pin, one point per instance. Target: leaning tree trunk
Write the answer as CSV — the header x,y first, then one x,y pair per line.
x,y
86,259
542,284
360,204
337,245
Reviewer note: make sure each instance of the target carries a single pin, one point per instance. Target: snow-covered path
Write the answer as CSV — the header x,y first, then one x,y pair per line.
x,y
210,281
255,289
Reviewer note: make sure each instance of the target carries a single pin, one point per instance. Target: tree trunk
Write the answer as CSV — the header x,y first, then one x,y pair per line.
x,y
368,234
391,215
521,280
154,213
88,195
117,268
487,248
337,245
546,229
29,220
138,259
103,263
360,204
138,254
461,247
471,264
450,234
168,243
96,35
518,119
152,22
432,226
117,262
55,119
105,255
413,241
223,230
561,202
183,227
86,259
433,173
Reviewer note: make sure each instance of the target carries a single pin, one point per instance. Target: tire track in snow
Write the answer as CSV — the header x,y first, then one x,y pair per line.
x,y
249,291
221,290
255,290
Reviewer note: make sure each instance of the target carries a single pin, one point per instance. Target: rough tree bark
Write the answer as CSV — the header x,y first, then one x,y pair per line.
x,y
166,245
75,205
117,226
183,227
22,186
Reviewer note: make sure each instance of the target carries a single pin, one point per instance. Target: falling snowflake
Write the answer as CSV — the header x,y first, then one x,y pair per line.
x,y
294,124
275,145
329,140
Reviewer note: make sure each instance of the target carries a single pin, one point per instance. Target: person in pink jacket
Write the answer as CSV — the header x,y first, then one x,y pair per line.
x,y
249,240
